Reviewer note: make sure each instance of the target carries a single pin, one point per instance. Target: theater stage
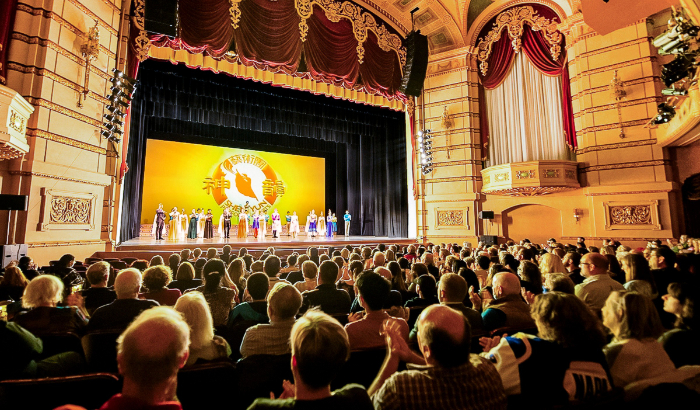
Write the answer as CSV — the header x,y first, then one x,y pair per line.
x,y
146,247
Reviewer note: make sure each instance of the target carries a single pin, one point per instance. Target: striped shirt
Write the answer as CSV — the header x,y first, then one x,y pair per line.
x,y
473,385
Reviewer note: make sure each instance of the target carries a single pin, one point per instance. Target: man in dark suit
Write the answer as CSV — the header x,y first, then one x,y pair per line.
x,y
326,296
118,314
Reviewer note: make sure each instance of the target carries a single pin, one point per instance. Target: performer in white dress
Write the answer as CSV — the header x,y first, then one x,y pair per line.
x,y
321,225
294,225
200,223
263,224
184,220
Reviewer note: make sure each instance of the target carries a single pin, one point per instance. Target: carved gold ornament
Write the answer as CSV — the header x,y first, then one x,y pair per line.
x,y
16,122
450,218
631,215
68,210
142,43
235,12
513,21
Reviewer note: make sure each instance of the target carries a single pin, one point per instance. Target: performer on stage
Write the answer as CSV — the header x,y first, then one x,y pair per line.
x,y
192,232
256,224
312,224
308,224
329,224
227,223
263,224
159,223
209,225
335,225
347,217
321,226
182,232
294,225
276,224
242,224
289,220
200,223
173,225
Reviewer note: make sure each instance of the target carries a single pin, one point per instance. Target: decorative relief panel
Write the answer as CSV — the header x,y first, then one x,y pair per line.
x,y
16,122
570,174
451,218
550,173
67,210
620,215
501,177
525,174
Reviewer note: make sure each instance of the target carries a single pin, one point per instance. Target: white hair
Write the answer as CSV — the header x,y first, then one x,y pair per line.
x,y
42,290
195,310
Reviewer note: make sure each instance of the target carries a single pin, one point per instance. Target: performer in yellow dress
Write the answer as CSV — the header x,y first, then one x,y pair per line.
x,y
174,224
242,224
321,226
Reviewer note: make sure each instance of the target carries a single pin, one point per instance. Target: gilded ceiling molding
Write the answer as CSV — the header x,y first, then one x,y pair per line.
x,y
65,243
60,50
513,21
142,43
40,102
33,132
55,77
361,22
93,16
35,11
640,164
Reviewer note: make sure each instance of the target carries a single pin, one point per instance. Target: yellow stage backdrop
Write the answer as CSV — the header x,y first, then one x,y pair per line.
x,y
184,175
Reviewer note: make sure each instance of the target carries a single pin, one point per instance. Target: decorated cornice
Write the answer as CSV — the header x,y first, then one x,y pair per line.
x,y
57,177
513,21
14,66
65,140
607,147
93,16
40,102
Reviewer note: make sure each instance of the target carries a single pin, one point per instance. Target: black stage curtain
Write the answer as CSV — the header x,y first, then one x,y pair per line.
x,y
364,146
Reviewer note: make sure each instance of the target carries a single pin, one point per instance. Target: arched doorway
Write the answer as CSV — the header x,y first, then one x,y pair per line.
x,y
535,222
691,205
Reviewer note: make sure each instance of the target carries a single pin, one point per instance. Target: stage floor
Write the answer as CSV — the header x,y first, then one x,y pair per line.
x,y
144,243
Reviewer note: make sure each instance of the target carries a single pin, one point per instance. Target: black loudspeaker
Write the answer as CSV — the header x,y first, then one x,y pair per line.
x,y
14,202
489,240
160,17
486,215
416,64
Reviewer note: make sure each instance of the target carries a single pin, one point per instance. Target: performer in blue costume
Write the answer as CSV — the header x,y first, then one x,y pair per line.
x,y
347,217
329,224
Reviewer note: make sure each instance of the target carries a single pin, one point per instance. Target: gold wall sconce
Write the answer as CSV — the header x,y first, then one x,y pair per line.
x,y
90,50
578,213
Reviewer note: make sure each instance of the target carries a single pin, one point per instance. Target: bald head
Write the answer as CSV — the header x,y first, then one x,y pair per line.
x,y
594,264
128,283
506,283
379,259
428,258
452,288
444,336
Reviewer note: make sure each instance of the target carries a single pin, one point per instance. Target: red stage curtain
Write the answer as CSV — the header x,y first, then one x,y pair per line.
x,y
500,62
380,72
340,67
8,9
205,25
268,35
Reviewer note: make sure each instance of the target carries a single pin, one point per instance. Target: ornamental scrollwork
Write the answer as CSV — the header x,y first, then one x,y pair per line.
x,y
304,10
67,210
142,43
450,218
235,12
513,21
16,122
631,215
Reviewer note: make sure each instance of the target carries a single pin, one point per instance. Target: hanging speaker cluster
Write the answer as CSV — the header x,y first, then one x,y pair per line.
x,y
122,88
425,146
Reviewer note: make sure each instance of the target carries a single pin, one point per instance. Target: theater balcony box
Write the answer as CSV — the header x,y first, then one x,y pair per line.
x,y
530,178
14,114
684,127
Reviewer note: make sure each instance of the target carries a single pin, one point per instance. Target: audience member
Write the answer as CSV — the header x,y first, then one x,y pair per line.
x,y
118,314
140,264
64,270
559,282
42,296
173,262
12,284
156,279
184,279
156,260
271,267
598,284
255,310
571,262
203,344
426,288
236,271
530,277
320,348
364,330
98,294
326,296
681,342
28,267
220,299
310,272
448,376
508,308
149,353
283,303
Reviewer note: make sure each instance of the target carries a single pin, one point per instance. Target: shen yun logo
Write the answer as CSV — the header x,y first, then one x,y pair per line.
x,y
245,182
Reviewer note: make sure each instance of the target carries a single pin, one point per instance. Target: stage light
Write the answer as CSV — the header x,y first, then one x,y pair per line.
x,y
666,113
122,76
420,133
113,119
676,40
115,111
678,69
673,91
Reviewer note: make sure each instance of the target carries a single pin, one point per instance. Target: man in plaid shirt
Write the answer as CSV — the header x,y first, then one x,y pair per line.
x,y
446,377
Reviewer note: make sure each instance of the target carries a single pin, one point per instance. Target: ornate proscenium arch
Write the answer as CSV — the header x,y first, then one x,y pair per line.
x,y
513,21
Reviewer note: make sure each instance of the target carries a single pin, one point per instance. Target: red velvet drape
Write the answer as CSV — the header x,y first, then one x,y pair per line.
x,y
8,9
340,67
205,26
537,50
